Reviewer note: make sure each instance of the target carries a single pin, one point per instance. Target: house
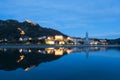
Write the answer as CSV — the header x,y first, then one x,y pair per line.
x,y
77,40
59,37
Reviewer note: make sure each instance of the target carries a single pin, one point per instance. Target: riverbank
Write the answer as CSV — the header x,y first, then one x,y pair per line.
x,y
54,46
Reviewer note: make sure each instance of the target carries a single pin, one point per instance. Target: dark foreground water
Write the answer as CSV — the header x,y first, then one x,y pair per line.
x,y
90,63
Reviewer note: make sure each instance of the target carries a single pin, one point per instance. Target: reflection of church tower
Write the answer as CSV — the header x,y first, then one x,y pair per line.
x,y
86,39
87,51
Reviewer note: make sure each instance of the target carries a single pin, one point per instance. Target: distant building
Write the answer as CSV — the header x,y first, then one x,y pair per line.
x,y
50,38
103,42
77,40
86,39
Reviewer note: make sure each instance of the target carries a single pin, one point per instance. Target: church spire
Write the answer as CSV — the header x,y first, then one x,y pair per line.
x,y
86,39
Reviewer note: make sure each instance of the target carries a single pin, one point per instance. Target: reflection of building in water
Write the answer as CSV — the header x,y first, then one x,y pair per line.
x,y
49,50
55,51
3,49
21,58
26,59
28,68
25,50
12,59
87,51
103,48
59,51
69,51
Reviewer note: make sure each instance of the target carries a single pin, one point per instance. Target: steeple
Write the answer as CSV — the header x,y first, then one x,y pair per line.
x,y
86,39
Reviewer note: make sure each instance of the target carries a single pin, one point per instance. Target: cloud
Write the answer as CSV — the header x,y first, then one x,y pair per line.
x,y
83,15
107,34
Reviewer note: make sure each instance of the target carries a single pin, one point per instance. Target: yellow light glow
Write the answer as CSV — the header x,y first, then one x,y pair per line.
x,y
22,32
69,38
28,68
95,43
59,52
19,29
29,38
20,50
21,58
49,50
50,38
61,42
29,51
59,37
50,42
39,51
69,51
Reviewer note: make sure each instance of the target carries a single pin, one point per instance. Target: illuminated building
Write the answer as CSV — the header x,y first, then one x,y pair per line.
x,y
20,50
76,40
29,50
50,38
58,40
22,32
61,42
30,38
69,38
28,21
59,37
39,51
50,42
93,42
20,39
103,42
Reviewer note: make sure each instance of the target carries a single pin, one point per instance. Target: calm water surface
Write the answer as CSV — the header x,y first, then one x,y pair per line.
x,y
90,63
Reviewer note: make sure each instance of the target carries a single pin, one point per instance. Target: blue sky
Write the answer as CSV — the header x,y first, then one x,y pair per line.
x,y
100,18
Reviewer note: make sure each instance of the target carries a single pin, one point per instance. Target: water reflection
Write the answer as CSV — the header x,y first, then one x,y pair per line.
x,y
25,58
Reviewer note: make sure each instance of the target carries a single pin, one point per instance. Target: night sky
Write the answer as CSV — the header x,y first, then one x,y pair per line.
x,y
100,18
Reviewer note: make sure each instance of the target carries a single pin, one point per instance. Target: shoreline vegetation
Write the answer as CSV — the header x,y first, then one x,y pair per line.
x,y
53,46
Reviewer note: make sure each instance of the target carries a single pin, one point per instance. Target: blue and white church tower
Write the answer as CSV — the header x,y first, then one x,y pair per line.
x,y
86,39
